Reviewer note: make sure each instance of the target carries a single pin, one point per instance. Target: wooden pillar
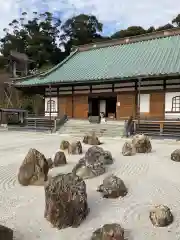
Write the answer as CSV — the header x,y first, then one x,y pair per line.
x,y
72,102
136,99
139,99
164,85
50,100
164,88
161,127
14,69
26,68
58,101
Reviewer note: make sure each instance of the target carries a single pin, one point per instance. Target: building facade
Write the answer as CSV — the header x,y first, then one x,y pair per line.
x,y
131,76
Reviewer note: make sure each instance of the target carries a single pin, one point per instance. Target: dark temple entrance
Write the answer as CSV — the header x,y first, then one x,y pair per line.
x,y
111,107
94,107
99,104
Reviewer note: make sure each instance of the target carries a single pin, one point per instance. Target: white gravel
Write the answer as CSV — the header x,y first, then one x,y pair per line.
x,y
151,179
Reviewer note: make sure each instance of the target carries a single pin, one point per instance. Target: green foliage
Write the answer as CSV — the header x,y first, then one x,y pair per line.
x,y
150,30
165,27
130,31
38,38
82,29
176,21
42,37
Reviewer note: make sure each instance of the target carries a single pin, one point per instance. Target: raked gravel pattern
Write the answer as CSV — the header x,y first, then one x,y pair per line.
x,y
150,178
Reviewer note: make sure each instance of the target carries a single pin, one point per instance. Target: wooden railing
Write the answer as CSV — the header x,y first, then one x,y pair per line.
x,y
40,123
166,127
45,123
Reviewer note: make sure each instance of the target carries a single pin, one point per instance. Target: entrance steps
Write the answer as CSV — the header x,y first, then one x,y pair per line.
x,y
82,127
3,129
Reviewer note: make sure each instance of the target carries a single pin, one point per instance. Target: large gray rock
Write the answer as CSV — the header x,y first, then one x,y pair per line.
x,y
142,143
161,216
91,139
94,162
86,172
34,169
59,159
111,231
66,201
175,155
50,163
128,149
112,187
108,159
95,154
6,233
75,148
64,145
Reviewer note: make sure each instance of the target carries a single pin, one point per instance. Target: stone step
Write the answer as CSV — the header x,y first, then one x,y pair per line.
x,y
95,126
89,128
3,129
72,121
67,124
77,128
98,134
92,127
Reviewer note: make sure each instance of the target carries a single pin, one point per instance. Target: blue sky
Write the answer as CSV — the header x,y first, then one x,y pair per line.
x,y
114,14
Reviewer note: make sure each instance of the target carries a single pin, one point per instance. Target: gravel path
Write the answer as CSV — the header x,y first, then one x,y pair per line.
x,y
151,179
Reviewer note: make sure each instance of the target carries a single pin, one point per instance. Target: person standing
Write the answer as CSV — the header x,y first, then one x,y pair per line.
x,y
129,127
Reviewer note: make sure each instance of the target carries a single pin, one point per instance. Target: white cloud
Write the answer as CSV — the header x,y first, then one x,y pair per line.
x,y
121,13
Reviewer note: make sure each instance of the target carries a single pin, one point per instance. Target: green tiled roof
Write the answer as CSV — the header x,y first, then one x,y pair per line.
x,y
151,57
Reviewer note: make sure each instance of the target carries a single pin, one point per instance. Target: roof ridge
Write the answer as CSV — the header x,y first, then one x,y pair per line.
x,y
42,75
131,39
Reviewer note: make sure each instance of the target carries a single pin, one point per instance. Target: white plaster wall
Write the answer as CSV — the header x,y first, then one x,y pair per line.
x,y
168,105
145,103
172,116
103,106
168,100
45,107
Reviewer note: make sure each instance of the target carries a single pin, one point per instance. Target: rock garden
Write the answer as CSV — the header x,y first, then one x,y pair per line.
x,y
66,198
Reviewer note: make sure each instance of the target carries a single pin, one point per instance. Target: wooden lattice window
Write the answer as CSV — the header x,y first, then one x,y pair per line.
x,y
176,104
51,106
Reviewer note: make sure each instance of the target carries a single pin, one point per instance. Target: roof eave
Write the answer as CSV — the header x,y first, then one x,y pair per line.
x,y
131,39
96,81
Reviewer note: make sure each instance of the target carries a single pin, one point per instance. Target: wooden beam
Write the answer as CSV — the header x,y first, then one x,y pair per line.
x,y
72,102
136,97
58,101
139,99
164,85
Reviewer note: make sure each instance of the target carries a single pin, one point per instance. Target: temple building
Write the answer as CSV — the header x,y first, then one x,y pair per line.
x,y
123,77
